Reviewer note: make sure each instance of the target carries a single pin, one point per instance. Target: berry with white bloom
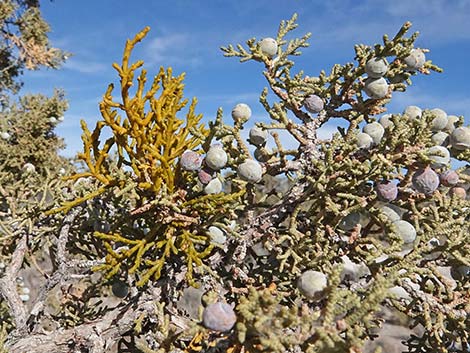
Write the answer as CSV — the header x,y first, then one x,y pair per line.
x,y
213,187
219,317
374,130
268,47
258,136
440,138
385,121
364,141
5,135
413,112
241,112
440,119
29,168
250,171
376,67
415,60
460,138
406,231
312,284
439,155
376,88
390,211
216,157
216,235
451,120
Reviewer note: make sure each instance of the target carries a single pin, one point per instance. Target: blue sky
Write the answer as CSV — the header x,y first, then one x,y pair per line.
x,y
187,35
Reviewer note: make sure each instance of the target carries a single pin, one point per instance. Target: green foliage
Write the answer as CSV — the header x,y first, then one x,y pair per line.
x,y
24,43
30,124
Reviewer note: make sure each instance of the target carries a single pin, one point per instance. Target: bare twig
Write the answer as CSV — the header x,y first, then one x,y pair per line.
x,y
8,288
93,336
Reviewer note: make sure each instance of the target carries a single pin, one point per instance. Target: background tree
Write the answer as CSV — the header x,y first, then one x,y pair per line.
x,y
29,159
24,42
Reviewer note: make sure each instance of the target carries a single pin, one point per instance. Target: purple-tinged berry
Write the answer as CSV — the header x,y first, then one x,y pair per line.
x,y
458,192
219,317
387,191
191,161
204,176
425,181
314,104
449,178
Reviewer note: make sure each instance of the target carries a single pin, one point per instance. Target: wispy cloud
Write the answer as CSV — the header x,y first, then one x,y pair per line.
x,y
439,21
230,99
84,66
172,49
452,105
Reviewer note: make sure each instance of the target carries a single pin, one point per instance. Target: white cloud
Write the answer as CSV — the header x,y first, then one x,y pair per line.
x,y
84,66
366,21
452,105
251,98
172,49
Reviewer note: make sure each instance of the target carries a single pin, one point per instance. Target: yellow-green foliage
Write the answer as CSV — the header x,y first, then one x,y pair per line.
x,y
148,136
149,142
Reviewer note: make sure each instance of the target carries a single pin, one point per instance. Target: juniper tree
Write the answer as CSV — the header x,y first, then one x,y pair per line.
x,y
176,237
29,160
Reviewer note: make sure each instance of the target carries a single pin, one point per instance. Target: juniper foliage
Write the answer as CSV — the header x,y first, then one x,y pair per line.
x,y
140,246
